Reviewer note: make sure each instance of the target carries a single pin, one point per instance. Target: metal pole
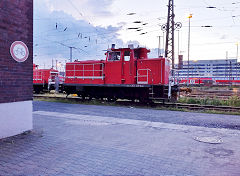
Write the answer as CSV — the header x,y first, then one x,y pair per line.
x,y
159,46
237,62
167,30
188,48
71,53
226,65
237,51
160,53
178,44
163,40
230,70
173,30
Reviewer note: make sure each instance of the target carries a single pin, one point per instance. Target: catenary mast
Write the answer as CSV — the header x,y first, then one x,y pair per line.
x,y
170,27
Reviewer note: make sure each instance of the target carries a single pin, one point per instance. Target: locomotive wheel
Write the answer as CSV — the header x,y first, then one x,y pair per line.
x,y
82,96
111,99
144,100
90,98
37,91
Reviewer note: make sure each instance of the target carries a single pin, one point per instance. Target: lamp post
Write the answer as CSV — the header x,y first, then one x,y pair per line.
x,y
159,46
178,43
237,58
237,51
189,17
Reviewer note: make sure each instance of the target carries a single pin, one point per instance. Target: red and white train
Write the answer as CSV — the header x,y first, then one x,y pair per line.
x,y
196,81
208,81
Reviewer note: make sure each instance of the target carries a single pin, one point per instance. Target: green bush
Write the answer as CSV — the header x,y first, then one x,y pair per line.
x,y
232,101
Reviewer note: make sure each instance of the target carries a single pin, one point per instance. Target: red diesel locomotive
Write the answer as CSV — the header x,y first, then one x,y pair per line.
x,y
127,73
43,79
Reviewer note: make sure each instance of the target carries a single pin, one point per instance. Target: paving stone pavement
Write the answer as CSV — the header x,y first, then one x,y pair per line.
x,y
69,143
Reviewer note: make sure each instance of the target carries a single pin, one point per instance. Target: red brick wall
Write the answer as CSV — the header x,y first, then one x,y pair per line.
x,y
16,24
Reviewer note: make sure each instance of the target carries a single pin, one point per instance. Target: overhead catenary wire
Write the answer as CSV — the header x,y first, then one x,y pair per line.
x,y
71,35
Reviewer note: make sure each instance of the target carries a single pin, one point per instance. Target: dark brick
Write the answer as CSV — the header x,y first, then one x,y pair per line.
x,y
16,24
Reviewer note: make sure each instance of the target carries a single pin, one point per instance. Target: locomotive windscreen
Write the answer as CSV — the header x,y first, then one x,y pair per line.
x,y
114,56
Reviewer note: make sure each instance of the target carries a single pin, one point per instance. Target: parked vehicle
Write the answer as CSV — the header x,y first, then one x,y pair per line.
x,y
44,79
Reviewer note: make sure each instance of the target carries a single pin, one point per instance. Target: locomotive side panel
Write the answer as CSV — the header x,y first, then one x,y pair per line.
x,y
152,71
113,72
85,72
166,72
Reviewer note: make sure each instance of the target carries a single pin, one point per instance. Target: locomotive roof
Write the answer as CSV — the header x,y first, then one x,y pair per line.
x,y
87,61
117,49
49,69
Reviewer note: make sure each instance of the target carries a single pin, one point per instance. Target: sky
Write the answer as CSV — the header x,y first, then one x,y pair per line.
x,y
91,26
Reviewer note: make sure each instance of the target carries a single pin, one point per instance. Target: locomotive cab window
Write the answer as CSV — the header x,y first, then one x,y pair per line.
x,y
114,56
127,56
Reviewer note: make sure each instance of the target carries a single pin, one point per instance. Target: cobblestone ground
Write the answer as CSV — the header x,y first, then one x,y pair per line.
x,y
73,142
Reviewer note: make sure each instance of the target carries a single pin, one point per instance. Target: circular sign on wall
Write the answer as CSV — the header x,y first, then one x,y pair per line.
x,y
19,51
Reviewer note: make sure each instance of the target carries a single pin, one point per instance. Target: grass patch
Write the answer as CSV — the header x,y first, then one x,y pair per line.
x,y
221,112
231,101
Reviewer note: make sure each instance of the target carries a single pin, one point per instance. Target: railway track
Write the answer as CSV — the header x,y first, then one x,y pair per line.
x,y
155,104
212,94
198,107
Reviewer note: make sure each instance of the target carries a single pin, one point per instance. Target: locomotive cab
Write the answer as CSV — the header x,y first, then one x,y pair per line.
x,y
119,67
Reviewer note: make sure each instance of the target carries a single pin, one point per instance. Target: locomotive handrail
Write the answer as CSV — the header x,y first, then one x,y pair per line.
x,y
143,76
51,80
83,70
38,77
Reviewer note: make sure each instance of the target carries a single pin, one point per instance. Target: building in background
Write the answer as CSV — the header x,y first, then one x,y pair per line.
x,y
16,68
227,69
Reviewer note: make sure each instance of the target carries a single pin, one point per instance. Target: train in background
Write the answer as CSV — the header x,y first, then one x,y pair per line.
x,y
126,73
208,82
44,79
196,81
